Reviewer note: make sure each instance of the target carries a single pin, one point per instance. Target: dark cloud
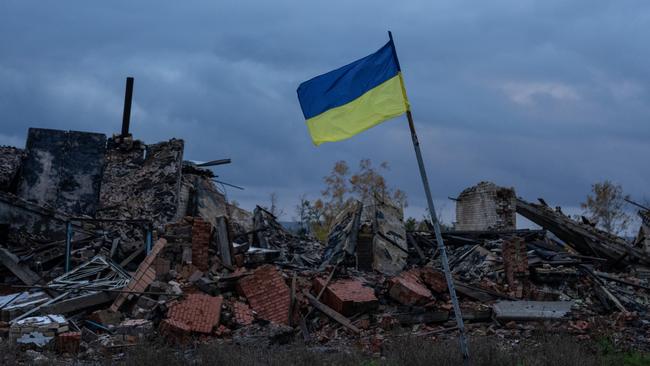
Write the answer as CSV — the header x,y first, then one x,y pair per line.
x,y
545,96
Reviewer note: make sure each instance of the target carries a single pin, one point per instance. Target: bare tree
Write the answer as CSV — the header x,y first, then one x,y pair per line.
x,y
341,186
605,207
274,209
369,182
307,215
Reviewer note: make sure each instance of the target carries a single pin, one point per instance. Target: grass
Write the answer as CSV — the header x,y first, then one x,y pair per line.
x,y
554,350
546,350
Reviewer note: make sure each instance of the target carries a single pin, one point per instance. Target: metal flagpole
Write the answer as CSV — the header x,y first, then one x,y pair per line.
x,y
436,226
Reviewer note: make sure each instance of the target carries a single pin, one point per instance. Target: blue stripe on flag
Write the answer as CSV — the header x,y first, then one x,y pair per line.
x,y
343,85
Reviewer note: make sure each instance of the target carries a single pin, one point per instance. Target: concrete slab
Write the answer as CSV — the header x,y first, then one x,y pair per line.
x,y
531,310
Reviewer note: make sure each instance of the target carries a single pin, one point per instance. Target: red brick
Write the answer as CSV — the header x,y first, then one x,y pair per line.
x,y
267,294
348,296
197,313
434,279
408,289
243,313
201,231
68,342
515,266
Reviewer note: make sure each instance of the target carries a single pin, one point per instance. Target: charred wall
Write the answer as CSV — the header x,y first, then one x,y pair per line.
x,y
141,181
63,170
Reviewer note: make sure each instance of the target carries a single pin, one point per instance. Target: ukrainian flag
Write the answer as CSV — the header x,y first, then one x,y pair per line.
x,y
344,102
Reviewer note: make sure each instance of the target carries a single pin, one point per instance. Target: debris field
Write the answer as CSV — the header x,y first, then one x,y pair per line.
x,y
107,242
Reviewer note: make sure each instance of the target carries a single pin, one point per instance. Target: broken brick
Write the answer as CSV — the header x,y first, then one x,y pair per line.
x,y
68,342
201,231
348,296
243,313
198,313
267,294
408,289
515,266
434,279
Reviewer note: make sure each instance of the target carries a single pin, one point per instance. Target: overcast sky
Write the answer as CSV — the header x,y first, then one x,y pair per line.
x,y
545,96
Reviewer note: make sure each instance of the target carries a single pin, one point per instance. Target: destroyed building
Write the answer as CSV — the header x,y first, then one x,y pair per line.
x,y
107,242
486,206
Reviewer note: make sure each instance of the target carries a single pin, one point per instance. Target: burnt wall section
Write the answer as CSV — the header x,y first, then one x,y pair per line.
x,y
486,206
63,170
11,159
29,217
390,249
141,181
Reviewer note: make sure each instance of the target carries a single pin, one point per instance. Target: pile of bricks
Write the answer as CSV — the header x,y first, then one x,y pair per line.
x,y
267,294
515,266
198,313
408,289
347,296
178,252
201,232
243,314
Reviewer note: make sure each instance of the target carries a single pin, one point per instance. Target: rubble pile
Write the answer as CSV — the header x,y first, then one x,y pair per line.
x,y
141,180
154,248
272,240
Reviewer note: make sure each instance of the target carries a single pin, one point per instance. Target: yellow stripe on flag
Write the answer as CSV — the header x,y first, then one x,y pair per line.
x,y
385,101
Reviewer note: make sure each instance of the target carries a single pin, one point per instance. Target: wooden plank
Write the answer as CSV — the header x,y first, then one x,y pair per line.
x,y
597,281
23,272
411,240
331,313
583,238
478,293
130,258
320,293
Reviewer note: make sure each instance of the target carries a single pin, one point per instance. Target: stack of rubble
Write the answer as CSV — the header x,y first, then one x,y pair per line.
x,y
214,271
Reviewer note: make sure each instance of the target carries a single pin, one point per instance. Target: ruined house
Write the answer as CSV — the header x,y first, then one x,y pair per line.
x,y
217,271
127,187
486,206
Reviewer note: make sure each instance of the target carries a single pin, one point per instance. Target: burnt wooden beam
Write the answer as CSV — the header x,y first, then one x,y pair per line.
x,y
331,313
